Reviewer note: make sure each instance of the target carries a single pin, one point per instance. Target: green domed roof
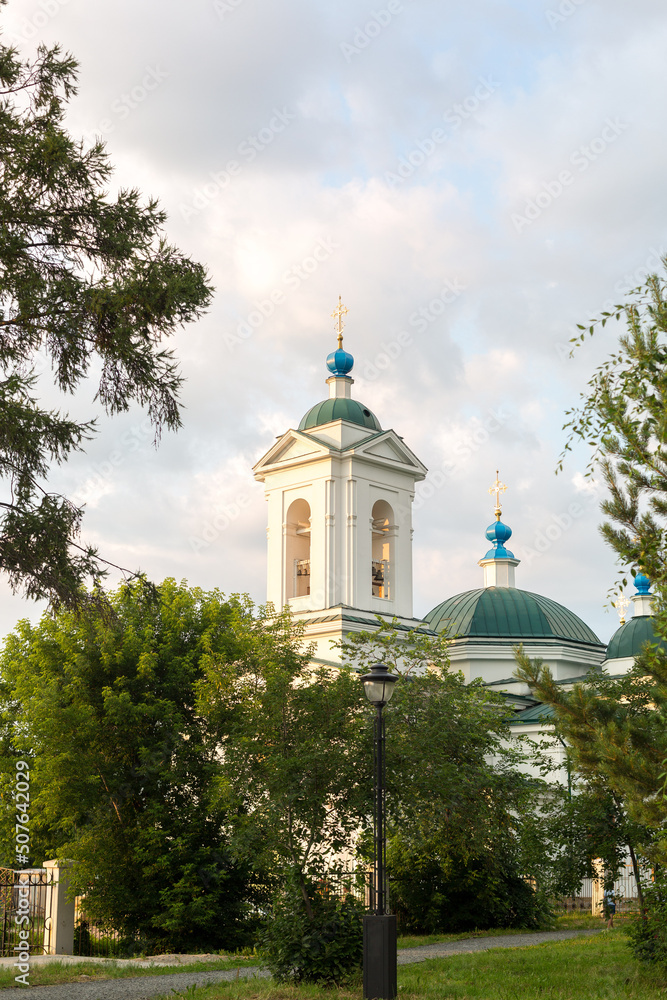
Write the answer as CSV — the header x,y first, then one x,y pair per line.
x,y
339,409
505,612
630,638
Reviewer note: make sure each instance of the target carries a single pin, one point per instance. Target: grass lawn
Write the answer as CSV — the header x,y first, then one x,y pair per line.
x,y
567,922
54,973
596,968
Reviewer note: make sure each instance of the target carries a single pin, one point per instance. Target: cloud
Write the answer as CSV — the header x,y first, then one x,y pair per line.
x,y
455,313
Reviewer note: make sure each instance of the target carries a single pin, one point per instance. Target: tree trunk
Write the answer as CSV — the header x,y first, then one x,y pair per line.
x,y
640,894
304,893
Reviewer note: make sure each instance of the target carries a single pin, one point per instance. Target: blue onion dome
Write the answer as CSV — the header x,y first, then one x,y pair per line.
x,y
642,583
499,533
340,362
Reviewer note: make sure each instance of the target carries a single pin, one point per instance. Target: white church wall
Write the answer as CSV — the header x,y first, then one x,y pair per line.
x,y
494,661
554,751
619,666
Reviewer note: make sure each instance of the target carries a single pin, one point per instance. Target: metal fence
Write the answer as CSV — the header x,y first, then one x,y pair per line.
x,y
27,906
92,938
341,882
24,898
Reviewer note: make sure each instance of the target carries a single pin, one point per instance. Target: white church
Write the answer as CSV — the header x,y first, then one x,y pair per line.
x,y
340,492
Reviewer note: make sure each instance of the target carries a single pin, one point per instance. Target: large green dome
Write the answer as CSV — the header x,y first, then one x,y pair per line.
x,y
339,409
630,639
505,612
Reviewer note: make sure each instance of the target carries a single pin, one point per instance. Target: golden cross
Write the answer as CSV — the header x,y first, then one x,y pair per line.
x,y
338,314
498,488
621,604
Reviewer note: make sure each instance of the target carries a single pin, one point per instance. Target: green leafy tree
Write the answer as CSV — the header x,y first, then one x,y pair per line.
x,y
461,811
294,738
123,768
614,738
297,740
583,825
437,890
296,744
86,281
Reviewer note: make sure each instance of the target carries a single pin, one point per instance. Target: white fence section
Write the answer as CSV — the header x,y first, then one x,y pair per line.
x,y
625,891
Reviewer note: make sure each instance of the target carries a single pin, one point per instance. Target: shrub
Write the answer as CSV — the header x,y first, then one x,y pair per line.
x,y
648,933
326,947
432,892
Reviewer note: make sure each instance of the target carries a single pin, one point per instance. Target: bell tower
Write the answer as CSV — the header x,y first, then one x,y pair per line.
x,y
339,490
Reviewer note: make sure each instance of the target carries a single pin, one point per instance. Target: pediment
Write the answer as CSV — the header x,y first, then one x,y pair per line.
x,y
294,448
290,448
389,448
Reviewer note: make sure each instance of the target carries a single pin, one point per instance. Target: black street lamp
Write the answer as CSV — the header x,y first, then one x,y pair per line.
x,y
379,929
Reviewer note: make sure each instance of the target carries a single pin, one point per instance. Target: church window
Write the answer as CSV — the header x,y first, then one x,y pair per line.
x,y
382,555
298,549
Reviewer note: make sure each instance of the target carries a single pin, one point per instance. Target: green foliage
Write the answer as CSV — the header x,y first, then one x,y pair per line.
x,y
122,765
615,741
616,728
580,828
623,417
648,933
320,941
432,890
448,764
296,742
86,281
457,796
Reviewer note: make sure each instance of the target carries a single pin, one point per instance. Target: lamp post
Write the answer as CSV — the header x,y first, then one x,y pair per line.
x,y
379,929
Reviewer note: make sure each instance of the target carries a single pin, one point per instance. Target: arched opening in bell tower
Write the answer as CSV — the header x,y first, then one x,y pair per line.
x,y
382,565
297,561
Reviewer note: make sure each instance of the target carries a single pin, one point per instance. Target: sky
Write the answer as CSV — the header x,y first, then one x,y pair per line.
x,y
474,179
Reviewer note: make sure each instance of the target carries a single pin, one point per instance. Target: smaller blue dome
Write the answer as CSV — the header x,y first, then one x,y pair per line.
x,y
499,533
642,583
340,362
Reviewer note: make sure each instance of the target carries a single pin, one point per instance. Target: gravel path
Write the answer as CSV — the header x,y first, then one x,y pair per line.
x,y
150,986
131,989
407,956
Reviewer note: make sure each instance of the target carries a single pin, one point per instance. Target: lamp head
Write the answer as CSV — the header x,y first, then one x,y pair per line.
x,y
379,684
